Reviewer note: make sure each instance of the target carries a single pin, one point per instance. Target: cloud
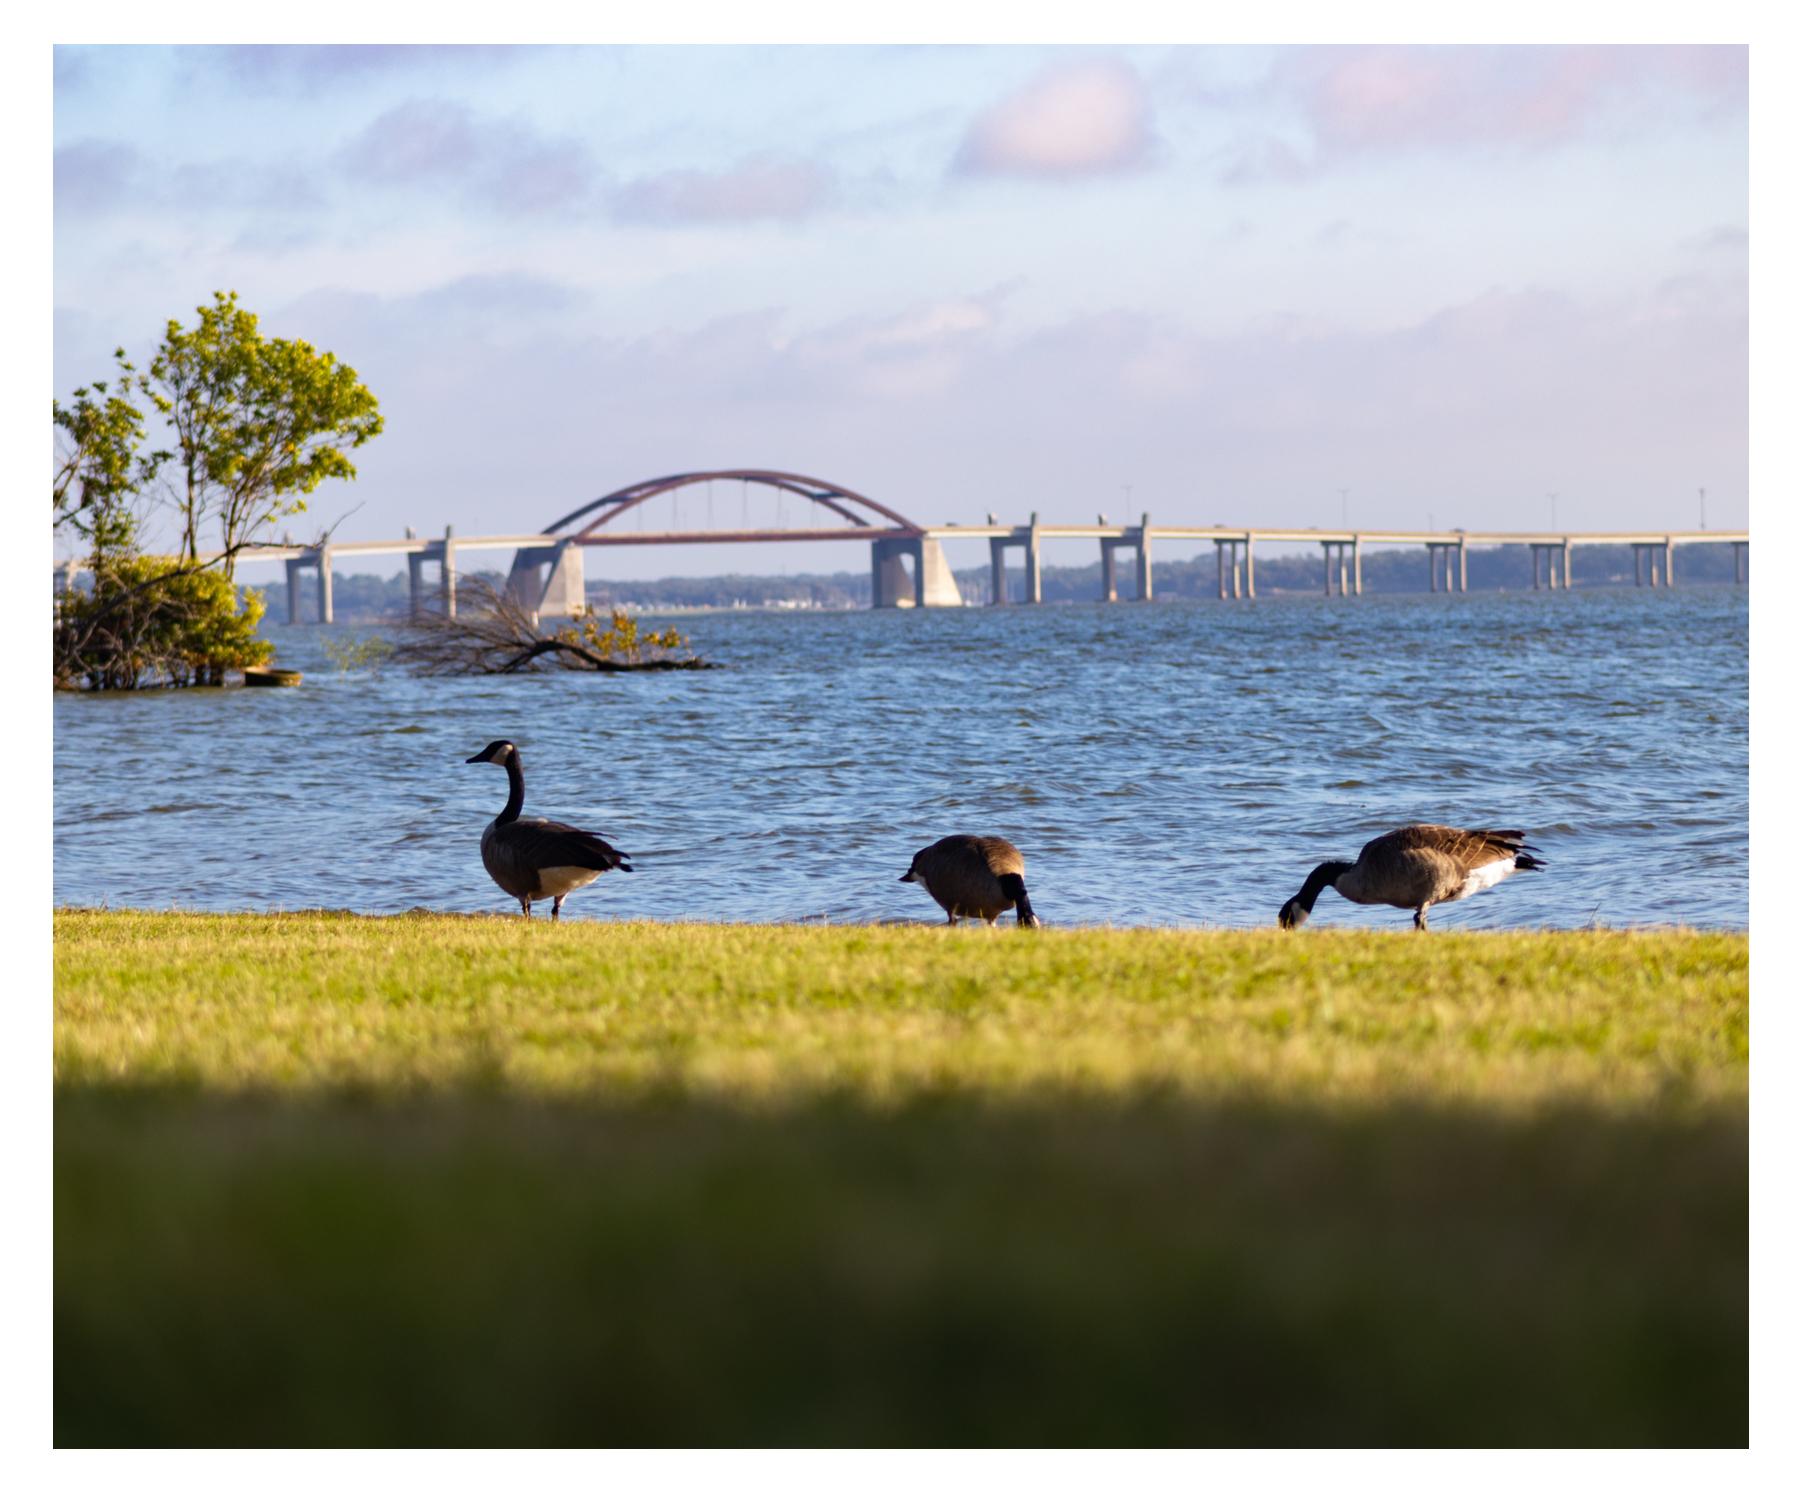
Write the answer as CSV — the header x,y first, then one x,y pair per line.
x,y
319,69
940,406
92,177
1077,119
1357,102
505,164
95,177
1724,238
758,187
421,140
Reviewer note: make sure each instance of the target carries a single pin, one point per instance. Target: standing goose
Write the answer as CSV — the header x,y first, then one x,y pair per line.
x,y
974,877
532,859
1419,866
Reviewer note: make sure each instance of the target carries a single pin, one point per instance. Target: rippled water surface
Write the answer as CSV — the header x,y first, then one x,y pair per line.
x,y
1178,763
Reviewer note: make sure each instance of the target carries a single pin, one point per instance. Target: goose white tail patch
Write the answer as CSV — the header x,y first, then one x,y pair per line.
x,y
559,880
1486,875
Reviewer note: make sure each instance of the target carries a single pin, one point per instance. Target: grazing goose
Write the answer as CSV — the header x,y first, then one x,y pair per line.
x,y
532,859
1419,866
974,877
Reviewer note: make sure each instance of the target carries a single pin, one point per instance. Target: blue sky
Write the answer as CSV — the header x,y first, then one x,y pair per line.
x,y
958,279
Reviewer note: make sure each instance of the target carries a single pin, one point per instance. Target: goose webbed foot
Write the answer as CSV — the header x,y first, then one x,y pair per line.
x,y
1419,920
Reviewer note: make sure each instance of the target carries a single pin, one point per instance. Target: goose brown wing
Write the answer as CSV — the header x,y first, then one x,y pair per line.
x,y
542,843
1469,847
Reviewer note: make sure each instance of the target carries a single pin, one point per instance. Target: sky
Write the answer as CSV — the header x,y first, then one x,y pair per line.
x,y
1217,284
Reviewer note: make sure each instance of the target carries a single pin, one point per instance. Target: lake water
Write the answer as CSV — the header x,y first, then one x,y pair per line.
x,y
1180,763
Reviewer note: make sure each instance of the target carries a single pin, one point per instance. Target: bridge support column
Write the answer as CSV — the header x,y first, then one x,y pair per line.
x,y
1325,547
1669,562
565,590
415,584
1034,565
324,565
1462,567
1431,553
996,570
1737,561
1219,554
1637,564
1143,559
294,565
1249,565
448,573
889,584
1356,560
933,583
1109,570
1568,564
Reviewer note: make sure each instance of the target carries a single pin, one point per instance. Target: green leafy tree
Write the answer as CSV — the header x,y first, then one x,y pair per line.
x,y
100,473
259,423
150,622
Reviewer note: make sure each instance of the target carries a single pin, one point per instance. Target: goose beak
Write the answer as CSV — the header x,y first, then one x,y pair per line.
x,y
908,878
474,760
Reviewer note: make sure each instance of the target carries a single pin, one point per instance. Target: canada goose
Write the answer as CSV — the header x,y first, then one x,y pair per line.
x,y
974,877
534,858
1419,866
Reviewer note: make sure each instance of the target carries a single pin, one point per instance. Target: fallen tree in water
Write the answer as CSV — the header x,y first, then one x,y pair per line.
x,y
493,633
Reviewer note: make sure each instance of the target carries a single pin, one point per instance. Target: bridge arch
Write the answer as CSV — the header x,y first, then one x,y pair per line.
x,y
859,510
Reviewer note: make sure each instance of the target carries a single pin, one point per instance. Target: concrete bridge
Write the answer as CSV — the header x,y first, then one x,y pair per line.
x,y
547,571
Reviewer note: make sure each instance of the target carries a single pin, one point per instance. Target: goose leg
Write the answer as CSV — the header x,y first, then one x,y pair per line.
x,y
525,906
1419,918
556,909
950,916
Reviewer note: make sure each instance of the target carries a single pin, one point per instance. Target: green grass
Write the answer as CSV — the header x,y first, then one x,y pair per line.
x,y
324,1178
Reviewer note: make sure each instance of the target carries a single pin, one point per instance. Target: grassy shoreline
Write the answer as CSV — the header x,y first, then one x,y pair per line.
x,y
767,1012
336,1179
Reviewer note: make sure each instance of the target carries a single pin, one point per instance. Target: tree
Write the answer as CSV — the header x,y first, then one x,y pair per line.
x,y
99,472
492,633
259,423
150,622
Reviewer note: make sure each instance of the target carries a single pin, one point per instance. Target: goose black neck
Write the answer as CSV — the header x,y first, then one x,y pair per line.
x,y
515,780
1326,874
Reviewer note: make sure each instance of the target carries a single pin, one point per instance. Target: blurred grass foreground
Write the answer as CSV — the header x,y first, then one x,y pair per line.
x,y
325,1179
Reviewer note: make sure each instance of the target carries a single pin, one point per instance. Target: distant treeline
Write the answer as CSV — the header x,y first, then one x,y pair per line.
x,y
1401,570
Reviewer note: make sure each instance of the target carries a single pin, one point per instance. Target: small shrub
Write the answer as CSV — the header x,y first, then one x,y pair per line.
x,y
354,652
148,622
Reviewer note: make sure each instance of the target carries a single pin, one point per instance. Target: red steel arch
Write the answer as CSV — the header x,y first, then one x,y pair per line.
x,y
834,497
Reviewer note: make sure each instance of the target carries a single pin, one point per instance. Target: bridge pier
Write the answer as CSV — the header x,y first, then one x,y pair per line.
x,y
444,554
1034,565
1337,555
1669,562
932,584
543,580
1232,569
1109,562
1738,549
320,559
1462,567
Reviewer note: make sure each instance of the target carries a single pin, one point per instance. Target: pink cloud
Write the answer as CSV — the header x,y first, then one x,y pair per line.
x,y
1074,120
759,187
1359,101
